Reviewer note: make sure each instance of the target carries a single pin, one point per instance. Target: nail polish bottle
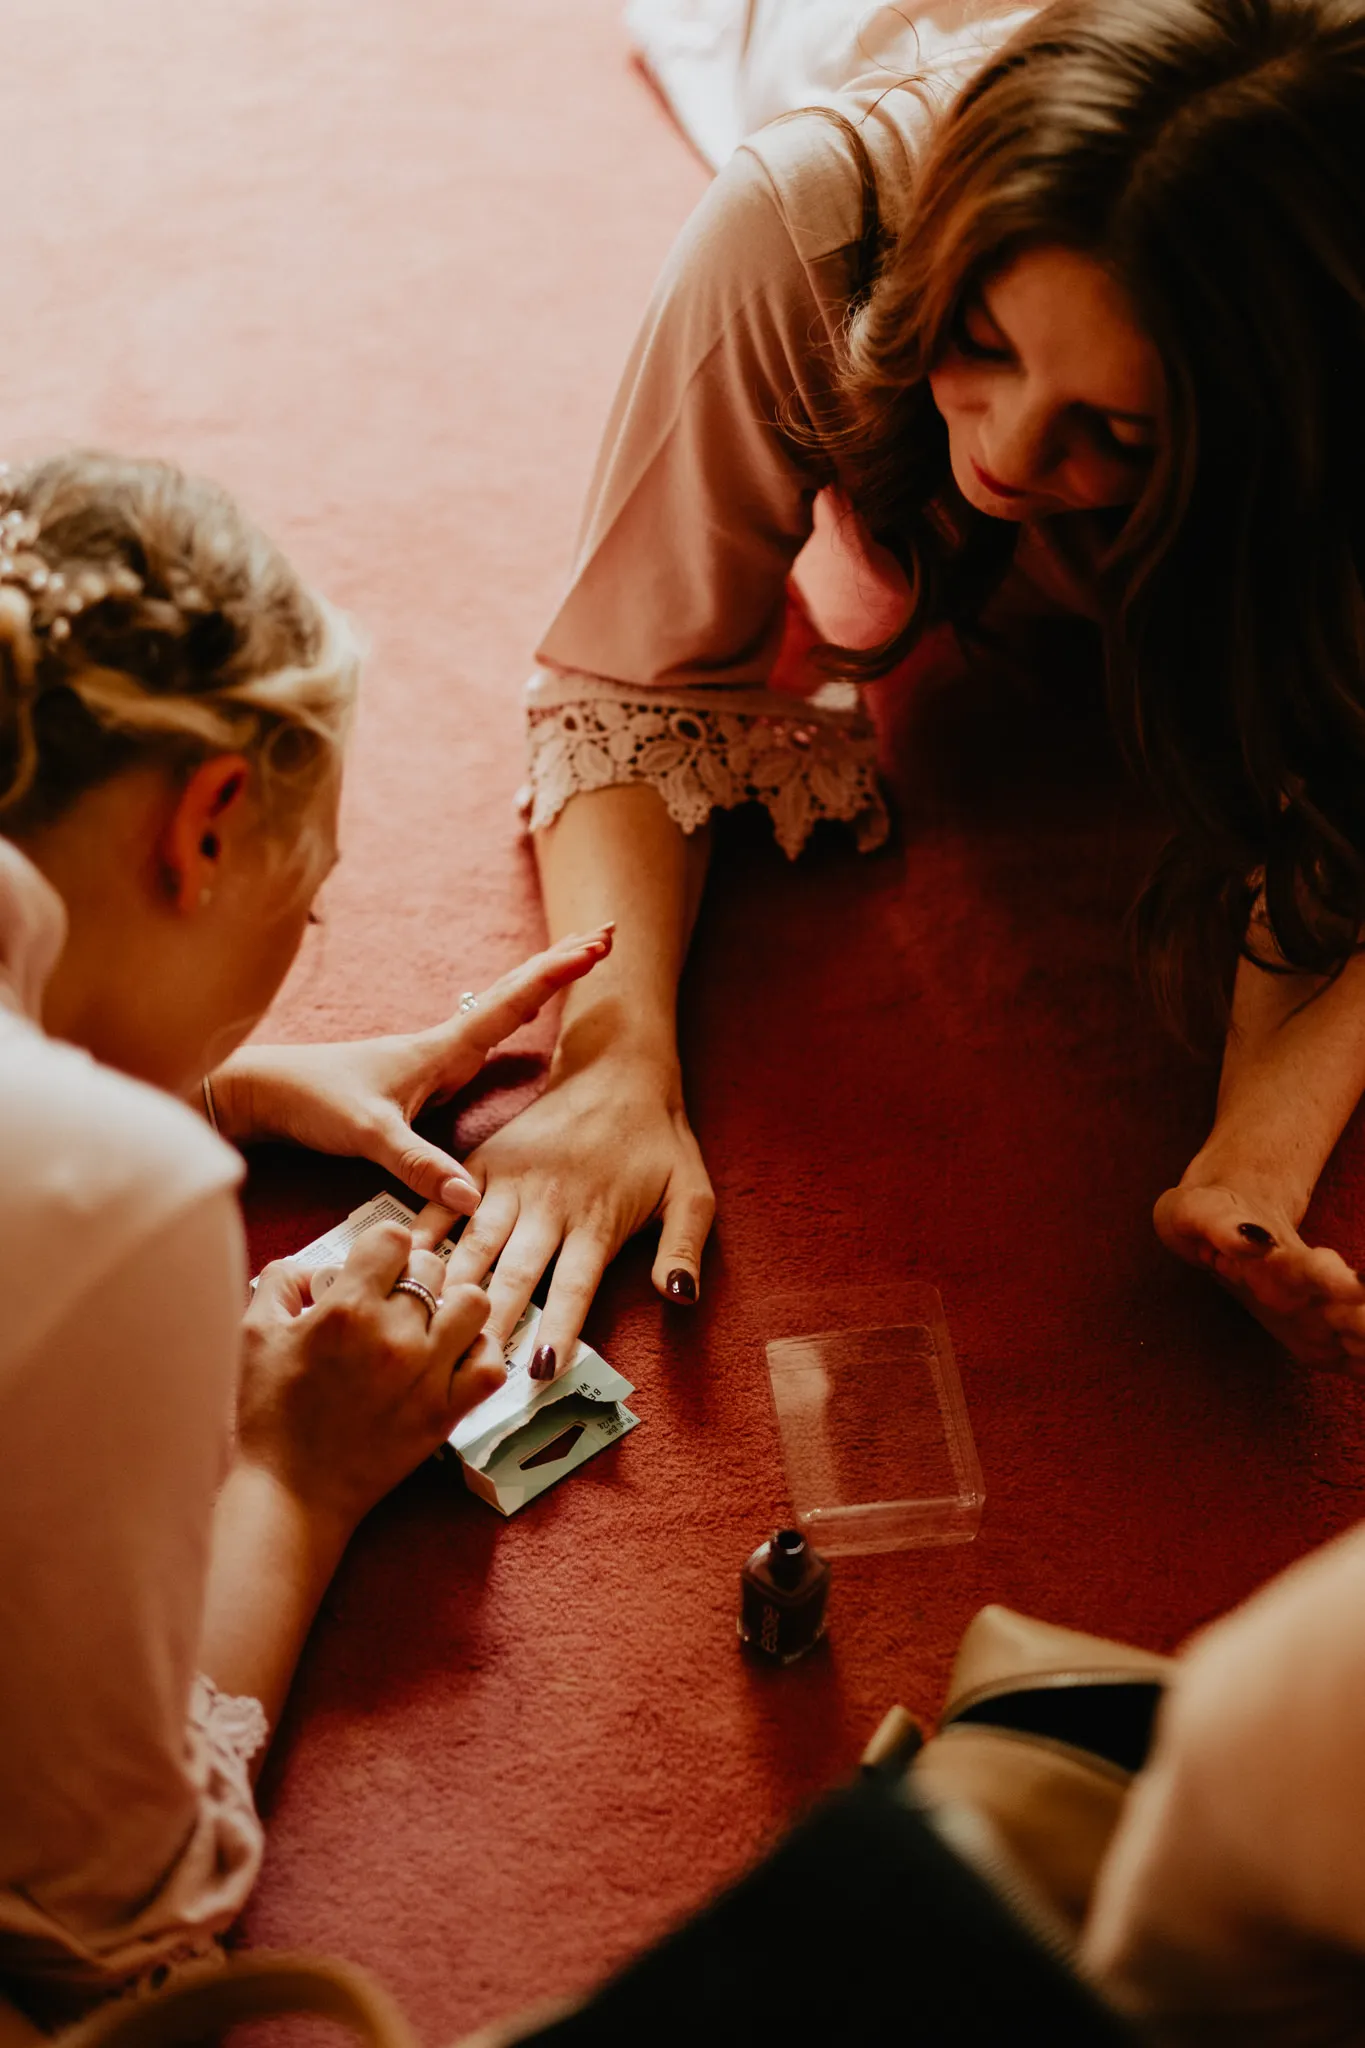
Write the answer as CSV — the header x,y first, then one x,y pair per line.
x,y
782,1594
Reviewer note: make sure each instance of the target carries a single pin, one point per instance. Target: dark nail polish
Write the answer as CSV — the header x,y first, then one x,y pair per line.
x,y
680,1286
543,1364
1254,1234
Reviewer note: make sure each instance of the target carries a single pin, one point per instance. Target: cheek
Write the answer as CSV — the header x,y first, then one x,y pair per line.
x,y
1097,484
269,946
958,392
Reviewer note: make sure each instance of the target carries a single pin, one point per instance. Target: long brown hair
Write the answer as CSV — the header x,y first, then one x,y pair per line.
x,y
1212,154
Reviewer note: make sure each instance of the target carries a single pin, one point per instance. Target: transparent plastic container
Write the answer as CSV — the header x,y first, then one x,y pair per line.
x,y
876,1443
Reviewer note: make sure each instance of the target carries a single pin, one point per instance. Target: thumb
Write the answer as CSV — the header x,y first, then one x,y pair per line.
x,y
427,1170
689,1207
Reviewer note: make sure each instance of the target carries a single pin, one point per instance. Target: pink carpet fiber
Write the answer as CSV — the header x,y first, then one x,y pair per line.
x,y
375,266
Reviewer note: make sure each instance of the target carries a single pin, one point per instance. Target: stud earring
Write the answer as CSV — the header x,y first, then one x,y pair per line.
x,y
205,898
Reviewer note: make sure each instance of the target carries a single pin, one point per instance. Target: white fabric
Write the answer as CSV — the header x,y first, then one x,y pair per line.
x,y
705,491
728,67
128,1834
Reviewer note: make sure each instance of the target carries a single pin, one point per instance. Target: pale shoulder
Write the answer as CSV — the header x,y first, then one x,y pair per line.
x,y
95,1164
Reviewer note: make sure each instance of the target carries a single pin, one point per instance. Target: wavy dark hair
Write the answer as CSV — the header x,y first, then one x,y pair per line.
x,y
1211,153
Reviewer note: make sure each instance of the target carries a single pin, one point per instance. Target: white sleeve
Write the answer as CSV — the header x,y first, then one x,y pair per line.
x,y
130,1836
1234,1891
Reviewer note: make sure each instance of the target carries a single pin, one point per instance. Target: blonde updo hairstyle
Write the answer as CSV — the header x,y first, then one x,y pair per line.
x,y
144,621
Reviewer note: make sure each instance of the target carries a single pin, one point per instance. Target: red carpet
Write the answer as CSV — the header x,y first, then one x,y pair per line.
x,y
376,267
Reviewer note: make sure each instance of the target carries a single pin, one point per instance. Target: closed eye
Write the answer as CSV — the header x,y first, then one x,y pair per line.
x,y
1129,440
975,335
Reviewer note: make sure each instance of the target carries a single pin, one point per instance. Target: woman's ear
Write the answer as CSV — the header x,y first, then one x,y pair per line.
x,y
206,808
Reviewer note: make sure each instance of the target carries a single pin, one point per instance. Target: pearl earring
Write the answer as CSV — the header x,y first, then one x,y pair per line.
x,y
205,898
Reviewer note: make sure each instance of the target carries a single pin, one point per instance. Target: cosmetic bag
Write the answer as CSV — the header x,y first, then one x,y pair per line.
x,y
1041,1734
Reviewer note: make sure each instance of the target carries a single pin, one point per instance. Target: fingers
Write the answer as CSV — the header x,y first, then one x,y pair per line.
x,y
484,1237
282,1290
458,1321
523,1259
476,1375
379,1257
688,1212
1329,1276
429,1272
426,1169
516,997
431,1226
1347,1320
582,1261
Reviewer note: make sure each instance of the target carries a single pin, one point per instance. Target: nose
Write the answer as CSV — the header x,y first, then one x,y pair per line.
x,y
1018,444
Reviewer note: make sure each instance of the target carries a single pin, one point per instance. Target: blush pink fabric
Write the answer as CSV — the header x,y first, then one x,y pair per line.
x,y
377,268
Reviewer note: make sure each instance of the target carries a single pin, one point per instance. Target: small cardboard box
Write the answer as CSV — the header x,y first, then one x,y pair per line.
x,y
530,1433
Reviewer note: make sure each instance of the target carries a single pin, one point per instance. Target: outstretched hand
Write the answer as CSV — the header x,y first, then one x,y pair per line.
x,y
1306,1296
360,1099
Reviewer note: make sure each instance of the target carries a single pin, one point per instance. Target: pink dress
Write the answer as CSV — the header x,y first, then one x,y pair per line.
x,y
128,1833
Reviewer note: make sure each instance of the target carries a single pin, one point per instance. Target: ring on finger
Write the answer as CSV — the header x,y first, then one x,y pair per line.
x,y
407,1285
468,1001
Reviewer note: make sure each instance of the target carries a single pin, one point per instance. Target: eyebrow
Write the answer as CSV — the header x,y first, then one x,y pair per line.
x,y
1108,412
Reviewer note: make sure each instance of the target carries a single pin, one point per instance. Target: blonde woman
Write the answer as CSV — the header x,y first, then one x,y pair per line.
x,y
173,703
1068,319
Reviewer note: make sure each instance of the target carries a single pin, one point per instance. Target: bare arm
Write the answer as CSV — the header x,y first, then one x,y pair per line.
x,y
608,1147
1293,1071
617,854
1292,1075
334,1408
271,1563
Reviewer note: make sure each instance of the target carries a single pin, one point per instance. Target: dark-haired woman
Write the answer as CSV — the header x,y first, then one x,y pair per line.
x,y
1075,318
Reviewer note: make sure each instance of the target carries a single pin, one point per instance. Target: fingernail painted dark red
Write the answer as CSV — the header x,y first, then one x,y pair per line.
x,y
1254,1234
680,1286
543,1364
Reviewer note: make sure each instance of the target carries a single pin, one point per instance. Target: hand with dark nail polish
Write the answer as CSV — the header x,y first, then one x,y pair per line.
x,y
680,1286
1255,1235
543,1364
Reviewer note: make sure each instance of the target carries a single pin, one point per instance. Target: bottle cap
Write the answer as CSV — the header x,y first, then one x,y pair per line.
x,y
787,1556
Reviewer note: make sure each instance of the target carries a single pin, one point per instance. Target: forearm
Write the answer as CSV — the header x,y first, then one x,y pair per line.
x,y
616,853
271,1564
1292,1075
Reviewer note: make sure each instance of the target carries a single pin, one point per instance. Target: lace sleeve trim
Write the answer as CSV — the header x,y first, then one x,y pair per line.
x,y
233,1725
232,1729
800,763
63,1968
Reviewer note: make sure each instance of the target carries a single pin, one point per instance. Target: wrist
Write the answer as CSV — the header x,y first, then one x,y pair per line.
x,y
311,1533
233,1099
609,1031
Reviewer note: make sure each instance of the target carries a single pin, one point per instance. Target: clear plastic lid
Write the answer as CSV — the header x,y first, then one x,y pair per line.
x,y
876,1442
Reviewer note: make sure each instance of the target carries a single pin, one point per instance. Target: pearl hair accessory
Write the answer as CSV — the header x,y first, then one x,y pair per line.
x,y
38,602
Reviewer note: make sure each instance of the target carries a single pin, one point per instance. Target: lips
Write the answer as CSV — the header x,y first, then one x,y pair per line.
x,y
993,483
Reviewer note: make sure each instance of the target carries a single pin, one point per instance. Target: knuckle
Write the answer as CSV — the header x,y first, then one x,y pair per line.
x,y
342,1318
465,1299
392,1236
